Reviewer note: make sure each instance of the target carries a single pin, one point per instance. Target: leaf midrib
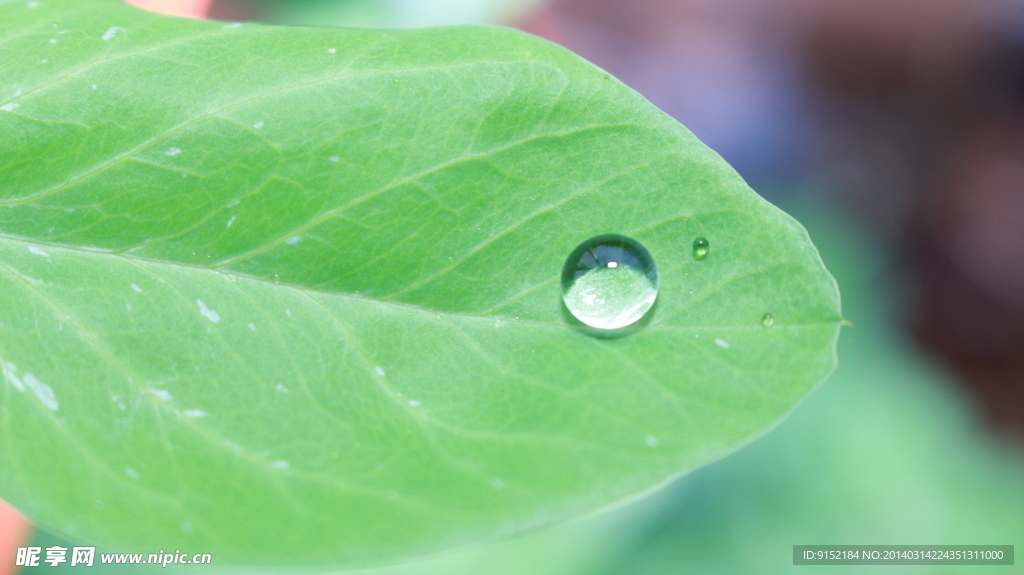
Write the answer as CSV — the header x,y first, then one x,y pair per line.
x,y
97,252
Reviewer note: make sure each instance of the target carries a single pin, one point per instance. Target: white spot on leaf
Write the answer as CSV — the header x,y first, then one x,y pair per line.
x,y
110,33
42,391
136,288
379,370
258,125
11,376
38,251
651,441
207,312
293,240
234,203
172,151
9,107
194,413
498,484
282,464
331,51
161,394
252,327
281,388
232,26
132,473
722,343
415,403
334,159
231,220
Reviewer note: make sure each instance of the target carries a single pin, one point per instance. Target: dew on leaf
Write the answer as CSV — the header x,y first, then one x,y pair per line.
x,y
609,281
768,320
700,248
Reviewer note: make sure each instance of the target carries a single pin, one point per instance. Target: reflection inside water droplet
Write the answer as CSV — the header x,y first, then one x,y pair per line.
x,y
768,320
609,282
700,248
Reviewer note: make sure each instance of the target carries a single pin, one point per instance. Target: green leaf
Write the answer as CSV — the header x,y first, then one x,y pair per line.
x,y
291,296
886,452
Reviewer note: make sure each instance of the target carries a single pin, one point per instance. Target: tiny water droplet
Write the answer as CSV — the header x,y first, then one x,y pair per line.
x,y
700,248
397,80
609,282
768,320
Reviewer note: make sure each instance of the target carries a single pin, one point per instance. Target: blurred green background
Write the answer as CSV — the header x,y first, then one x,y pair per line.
x,y
894,130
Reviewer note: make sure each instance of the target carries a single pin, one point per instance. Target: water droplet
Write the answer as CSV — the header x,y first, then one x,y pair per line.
x,y
397,80
768,320
700,248
609,282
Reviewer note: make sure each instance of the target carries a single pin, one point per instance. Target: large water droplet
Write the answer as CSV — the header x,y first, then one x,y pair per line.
x,y
768,320
609,282
700,248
